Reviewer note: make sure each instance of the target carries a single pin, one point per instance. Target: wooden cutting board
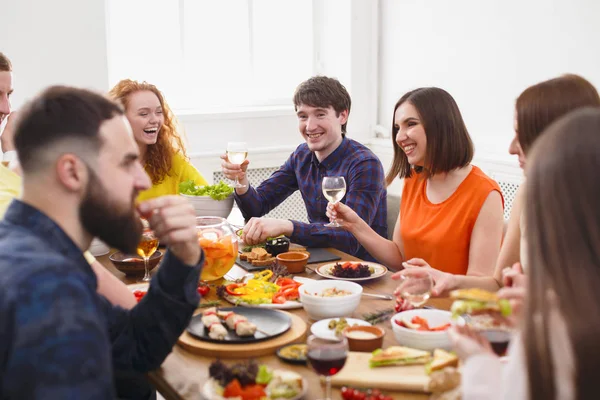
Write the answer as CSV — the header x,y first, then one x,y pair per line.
x,y
296,333
356,372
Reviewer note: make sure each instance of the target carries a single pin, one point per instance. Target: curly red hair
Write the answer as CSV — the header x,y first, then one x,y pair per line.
x,y
159,156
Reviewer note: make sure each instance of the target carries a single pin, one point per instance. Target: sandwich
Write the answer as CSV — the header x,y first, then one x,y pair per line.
x,y
441,359
398,355
478,301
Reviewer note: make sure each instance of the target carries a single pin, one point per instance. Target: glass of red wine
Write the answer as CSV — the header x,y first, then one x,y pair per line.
x,y
327,358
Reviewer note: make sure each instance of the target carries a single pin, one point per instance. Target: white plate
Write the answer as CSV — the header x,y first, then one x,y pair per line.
x,y
321,328
138,286
324,271
288,305
209,391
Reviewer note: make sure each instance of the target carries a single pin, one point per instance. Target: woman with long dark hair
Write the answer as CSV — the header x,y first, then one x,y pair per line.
x,y
556,354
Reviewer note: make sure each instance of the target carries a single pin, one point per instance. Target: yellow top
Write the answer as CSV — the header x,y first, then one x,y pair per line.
x,y
10,187
181,170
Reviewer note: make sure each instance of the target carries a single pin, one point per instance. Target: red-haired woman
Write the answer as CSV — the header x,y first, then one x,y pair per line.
x,y
155,131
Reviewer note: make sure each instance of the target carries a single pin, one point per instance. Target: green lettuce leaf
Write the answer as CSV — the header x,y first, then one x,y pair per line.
x,y
264,375
219,191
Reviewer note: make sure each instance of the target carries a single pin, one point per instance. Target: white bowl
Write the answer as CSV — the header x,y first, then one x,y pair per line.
x,y
423,340
318,307
206,206
98,248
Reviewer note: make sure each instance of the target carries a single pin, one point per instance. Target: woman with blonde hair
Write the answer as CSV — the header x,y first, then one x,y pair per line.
x,y
155,131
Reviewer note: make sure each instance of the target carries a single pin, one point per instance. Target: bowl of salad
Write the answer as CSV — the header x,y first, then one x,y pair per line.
x,y
210,200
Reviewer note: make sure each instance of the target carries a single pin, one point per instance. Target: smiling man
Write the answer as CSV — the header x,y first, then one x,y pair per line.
x,y
60,339
322,106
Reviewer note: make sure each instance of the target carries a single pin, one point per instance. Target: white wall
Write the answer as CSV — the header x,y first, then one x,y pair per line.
x,y
485,53
64,42
54,42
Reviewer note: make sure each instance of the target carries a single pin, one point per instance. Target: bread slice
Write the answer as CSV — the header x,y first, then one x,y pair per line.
x,y
441,360
263,263
244,256
260,253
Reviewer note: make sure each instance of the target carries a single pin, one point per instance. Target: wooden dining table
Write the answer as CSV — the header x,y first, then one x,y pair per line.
x,y
183,373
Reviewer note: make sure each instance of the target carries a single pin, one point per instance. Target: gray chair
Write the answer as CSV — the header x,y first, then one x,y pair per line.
x,y
393,209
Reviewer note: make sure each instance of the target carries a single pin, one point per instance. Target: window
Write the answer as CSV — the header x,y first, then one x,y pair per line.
x,y
207,54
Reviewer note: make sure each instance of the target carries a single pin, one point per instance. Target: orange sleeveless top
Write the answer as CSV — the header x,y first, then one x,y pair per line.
x,y
441,233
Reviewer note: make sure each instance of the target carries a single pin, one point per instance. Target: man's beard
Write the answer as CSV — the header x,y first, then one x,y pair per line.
x,y
102,218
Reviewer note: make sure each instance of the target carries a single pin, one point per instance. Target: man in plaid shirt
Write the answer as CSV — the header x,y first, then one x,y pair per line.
x,y
322,105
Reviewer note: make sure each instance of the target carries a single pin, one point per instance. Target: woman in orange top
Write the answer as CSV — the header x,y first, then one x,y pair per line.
x,y
451,212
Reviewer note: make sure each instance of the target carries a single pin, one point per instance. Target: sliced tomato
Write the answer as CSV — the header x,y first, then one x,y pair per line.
x,y
253,392
441,327
279,298
286,282
233,389
422,322
347,264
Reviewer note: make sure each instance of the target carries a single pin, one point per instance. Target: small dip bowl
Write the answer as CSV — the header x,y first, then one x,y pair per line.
x,y
295,261
364,338
277,246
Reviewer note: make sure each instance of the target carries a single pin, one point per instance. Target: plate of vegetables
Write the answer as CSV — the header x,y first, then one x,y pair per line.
x,y
352,271
263,290
250,380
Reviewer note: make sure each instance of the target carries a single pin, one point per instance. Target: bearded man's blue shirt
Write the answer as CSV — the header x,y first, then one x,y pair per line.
x,y
59,339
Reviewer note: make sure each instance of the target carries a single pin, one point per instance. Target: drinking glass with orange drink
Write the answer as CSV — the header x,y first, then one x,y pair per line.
x,y
220,245
146,247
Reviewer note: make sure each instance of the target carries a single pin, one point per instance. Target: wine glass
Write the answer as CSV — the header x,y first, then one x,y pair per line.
x,y
334,189
146,247
327,358
415,286
236,154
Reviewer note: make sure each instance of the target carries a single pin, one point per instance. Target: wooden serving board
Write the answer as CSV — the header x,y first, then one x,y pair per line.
x,y
296,333
356,372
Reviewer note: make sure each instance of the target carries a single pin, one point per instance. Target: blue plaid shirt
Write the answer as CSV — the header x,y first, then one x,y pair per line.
x,y
59,339
365,194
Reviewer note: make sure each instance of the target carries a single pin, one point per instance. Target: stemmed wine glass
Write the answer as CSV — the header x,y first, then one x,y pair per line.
x,y
327,358
236,154
146,247
334,189
415,286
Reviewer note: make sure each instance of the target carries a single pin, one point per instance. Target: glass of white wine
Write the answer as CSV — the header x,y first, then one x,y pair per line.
x,y
415,286
334,190
236,154
146,247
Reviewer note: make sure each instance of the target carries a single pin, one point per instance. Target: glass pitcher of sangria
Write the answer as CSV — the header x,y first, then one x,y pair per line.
x,y
220,244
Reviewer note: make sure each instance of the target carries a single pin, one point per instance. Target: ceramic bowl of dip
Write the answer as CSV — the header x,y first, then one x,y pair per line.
x,y
364,338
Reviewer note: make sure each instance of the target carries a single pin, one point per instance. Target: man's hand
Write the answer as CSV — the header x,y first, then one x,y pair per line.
x,y
6,140
232,171
257,230
173,220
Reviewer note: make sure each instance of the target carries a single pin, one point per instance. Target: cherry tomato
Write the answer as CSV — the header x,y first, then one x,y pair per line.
x,y
203,290
347,393
359,395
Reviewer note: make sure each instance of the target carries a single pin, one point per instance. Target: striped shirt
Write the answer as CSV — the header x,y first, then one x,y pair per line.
x,y
365,194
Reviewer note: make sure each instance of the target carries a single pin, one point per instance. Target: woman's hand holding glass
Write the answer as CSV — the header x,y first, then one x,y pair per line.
x,y
415,288
344,215
334,190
